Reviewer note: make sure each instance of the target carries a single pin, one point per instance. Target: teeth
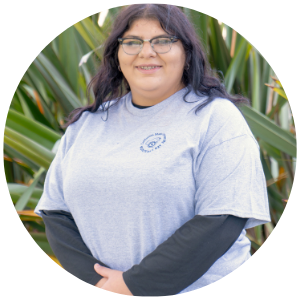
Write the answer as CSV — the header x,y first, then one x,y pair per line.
x,y
148,68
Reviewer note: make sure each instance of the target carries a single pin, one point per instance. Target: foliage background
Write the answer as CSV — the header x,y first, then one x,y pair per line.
x,y
55,84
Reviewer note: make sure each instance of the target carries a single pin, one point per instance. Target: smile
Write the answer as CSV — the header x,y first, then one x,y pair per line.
x,y
150,69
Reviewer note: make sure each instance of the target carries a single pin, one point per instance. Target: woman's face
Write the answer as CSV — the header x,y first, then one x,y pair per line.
x,y
165,78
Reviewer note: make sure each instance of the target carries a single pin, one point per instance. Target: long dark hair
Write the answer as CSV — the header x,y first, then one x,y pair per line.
x,y
109,83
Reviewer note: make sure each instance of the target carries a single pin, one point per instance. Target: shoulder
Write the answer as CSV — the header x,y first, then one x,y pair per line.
x,y
89,120
72,132
228,119
229,122
220,121
218,109
74,128
222,111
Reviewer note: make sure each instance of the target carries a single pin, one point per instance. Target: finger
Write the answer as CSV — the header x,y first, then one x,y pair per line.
x,y
97,267
102,270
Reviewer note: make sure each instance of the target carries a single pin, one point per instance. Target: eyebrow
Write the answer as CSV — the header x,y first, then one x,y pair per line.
x,y
138,37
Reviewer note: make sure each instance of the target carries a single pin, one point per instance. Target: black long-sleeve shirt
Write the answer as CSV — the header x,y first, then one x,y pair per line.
x,y
171,267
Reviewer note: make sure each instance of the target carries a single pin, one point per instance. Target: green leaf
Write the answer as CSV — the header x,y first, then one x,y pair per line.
x,y
69,56
280,92
254,243
276,108
34,146
94,30
200,22
29,134
272,151
8,168
42,109
267,71
41,240
16,188
33,224
255,76
26,152
13,154
32,129
236,63
271,133
80,28
59,80
57,83
269,228
32,202
220,52
23,103
22,202
277,81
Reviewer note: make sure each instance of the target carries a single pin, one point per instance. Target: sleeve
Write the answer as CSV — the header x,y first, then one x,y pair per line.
x,y
153,276
68,246
185,256
230,180
53,196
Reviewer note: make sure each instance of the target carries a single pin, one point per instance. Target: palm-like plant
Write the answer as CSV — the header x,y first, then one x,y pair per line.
x,y
56,82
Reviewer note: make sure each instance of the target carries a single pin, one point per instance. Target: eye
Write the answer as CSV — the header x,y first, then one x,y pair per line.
x,y
161,41
132,42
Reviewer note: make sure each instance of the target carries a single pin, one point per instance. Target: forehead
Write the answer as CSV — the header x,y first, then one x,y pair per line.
x,y
145,28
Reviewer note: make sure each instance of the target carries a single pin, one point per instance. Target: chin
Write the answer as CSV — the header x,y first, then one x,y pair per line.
x,y
149,88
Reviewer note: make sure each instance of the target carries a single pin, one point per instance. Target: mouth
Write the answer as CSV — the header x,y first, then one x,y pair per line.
x,y
148,68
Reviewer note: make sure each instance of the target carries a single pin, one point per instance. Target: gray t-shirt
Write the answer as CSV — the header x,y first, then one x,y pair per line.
x,y
130,179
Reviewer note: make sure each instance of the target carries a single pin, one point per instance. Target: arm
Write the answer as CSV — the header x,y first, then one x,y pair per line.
x,y
185,256
156,274
68,246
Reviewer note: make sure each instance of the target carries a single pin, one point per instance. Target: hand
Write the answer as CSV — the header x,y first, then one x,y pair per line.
x,y
112,280
101,282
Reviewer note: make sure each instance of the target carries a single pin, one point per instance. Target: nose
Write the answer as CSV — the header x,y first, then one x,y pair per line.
x,y
147,51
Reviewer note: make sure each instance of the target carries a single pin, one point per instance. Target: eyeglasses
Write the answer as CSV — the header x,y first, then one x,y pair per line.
x,y
133,46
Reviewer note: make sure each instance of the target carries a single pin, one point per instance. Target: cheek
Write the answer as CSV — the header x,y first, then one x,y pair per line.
x,y
122,58
182,60
125,60
181,57
177,64
177,59
119,55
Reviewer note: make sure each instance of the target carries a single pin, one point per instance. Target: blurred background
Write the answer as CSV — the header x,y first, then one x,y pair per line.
x,y
55,84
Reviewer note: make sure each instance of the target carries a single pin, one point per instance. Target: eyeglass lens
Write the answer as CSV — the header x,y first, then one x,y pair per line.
x,y
159,45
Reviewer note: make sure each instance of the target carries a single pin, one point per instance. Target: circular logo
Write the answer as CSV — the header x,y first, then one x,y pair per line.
x,y
153,142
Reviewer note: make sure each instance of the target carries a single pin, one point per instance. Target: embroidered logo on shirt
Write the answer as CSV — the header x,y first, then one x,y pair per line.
x,y
153,142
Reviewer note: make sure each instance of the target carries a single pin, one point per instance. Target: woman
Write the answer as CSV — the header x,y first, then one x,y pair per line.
x,y
150,192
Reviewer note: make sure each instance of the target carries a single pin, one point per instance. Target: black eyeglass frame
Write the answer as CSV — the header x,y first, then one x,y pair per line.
x,y
173,39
